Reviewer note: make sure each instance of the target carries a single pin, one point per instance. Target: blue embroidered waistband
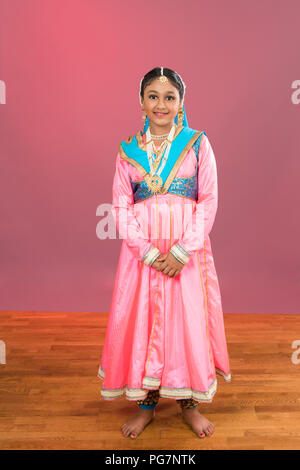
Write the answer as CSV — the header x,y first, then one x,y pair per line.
x,y
186,187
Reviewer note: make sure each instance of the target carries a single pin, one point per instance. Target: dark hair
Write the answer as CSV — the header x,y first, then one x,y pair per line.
x,y
171,74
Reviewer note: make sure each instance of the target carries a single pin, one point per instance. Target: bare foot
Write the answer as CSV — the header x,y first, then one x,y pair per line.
x,y
134,426
198,422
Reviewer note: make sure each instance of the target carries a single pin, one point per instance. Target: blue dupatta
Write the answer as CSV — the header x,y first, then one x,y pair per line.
x,y
134,151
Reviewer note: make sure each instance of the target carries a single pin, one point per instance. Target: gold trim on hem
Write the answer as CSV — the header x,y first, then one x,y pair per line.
x,y
153,383
226,377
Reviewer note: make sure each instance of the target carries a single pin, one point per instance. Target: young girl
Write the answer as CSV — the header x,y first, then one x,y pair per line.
x,y
165,335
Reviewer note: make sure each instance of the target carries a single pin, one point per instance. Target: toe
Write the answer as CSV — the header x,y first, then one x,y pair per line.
x,y
210,430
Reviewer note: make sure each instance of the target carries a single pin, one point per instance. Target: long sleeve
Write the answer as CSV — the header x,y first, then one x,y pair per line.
x,y
125,218
202,218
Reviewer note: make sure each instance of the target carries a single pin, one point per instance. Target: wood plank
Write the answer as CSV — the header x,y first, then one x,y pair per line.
x,y
50,393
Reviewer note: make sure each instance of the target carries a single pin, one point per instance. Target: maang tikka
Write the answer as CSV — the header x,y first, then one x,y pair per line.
x,y
163,78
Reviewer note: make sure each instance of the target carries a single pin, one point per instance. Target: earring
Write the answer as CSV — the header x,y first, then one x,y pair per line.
x,y
144,116
180,117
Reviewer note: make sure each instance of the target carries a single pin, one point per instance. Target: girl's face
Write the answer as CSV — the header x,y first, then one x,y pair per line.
x,y
161,103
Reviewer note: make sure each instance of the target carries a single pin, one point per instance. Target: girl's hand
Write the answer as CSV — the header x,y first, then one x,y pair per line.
x,y
158,262
168,264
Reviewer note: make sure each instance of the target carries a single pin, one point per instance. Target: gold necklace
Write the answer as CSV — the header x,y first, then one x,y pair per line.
x,y
154,181
158,137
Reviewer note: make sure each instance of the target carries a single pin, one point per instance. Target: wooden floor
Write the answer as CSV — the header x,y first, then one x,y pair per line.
x,y
50,393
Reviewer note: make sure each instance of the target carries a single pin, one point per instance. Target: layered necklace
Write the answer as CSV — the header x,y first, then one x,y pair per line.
x,y
153,180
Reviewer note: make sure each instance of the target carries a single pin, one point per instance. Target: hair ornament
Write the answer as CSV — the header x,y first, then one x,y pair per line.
x,y
163,78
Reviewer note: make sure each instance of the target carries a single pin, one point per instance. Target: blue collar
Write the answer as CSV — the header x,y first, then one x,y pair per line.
x,y
135,153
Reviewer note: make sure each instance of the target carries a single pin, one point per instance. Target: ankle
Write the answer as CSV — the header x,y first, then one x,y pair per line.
x,y
146,411
190,410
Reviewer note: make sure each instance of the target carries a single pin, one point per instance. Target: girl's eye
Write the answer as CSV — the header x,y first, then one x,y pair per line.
x,y
154,96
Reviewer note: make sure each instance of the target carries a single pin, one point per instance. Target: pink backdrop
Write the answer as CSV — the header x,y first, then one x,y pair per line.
x,y
72,71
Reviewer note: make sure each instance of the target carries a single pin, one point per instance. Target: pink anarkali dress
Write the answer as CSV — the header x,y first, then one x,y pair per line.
x,y
165,333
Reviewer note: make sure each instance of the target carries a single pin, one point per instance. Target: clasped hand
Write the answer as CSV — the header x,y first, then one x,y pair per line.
x,y
168,264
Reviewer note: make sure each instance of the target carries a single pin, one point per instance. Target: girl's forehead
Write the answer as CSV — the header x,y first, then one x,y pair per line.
x,y
159,87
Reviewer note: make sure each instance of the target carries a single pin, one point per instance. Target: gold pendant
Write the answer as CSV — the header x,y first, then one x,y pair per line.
x,y
154,183
163,79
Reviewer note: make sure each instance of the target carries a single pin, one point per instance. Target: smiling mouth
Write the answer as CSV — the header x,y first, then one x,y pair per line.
x,y
160,114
